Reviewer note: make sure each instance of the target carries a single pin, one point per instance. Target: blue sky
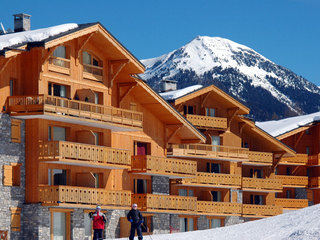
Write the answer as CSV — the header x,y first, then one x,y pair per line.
x,y
285,31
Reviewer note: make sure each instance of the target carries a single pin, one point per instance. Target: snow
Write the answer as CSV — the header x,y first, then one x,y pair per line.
x,y
303,224
279,127
12,39
172,95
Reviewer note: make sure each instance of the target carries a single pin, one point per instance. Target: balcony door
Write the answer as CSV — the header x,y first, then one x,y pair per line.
x,y
140,186
210,112
256,173
56,133
186,224
142,148
57,177
216,196
213,167
256,199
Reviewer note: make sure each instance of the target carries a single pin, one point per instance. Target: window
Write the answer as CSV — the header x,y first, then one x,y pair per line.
x,y
213,167
60,224
211,112
15,131
308,150
140,185
60,57
189,110
308,131
216,196
185,192
256,199
11,174
12,87
91,63
147,224
57,90
214,222
142,148
87,226
186,224
15,219
56,133
288,171
57,177
288,193
256,173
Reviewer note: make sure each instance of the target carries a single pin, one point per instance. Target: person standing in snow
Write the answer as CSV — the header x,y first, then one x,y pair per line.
x,y
134,216
98,220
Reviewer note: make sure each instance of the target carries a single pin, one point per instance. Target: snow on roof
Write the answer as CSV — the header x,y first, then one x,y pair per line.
x,y
279,127
8,40
301,224
172,95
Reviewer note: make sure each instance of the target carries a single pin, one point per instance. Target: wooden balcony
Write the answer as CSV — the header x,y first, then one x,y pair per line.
x,y
293,181
173,168
73,111
82,197
219,208
261,185
209,151
165,203
314,160
288,203
299,159
207,121
84,155
93,72
260,211
314,182
259,158
212,180
59,65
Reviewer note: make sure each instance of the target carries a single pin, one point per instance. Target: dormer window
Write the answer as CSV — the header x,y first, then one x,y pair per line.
x,y
60,57
91,64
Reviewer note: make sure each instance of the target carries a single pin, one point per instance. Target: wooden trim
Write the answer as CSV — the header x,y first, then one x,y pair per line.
x,y
292,132
121,85
114,68
15,219
5,64
16,130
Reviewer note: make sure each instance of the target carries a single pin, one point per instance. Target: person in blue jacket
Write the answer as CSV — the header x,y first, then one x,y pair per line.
x,y
134,216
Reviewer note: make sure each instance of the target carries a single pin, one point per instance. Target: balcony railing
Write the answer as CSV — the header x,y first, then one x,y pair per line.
x,y
314,182
165,203
260,211
314,160
60,65
37,104
84,153
163,166
299,159
291,203
220,208
213,180
293,181
208,151
262,184
83,195
259,158
207,121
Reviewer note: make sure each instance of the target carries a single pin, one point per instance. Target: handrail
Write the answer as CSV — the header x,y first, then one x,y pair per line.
x,y
207,121
291,203
299,159
293,180
58,61
260,210
260,157
267,184
219,207
218,179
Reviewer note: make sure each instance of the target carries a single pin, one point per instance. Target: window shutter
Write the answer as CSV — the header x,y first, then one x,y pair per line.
x,y
15,131
7,175
15,219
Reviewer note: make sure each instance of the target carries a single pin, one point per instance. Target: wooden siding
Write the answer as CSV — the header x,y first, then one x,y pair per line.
x,y
314,160
207,121
293,181
33,105
260,211
314,182
208,151
153,165
299,159
291,203
165,203
84,153
219,208
263,185
82,195
212,180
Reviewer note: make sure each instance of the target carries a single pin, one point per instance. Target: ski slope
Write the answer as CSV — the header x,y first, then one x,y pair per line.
x,y
303,224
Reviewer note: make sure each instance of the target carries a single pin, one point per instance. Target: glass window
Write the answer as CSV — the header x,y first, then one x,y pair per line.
x,y
140,186
56,133
60,52
288,193
183,225
86,58
308,150
59,226
211,112
215,140
216,196
190,224
190,193
183,192
57,177
214,223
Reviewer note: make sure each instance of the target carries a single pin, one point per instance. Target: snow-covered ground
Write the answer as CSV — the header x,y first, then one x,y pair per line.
x,y
303,224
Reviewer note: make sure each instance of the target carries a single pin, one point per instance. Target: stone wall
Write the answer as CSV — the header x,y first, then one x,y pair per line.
x,y
161,223
11,196
160,185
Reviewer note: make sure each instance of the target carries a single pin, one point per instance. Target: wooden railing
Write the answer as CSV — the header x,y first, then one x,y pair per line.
x,y
3,235
165,203
252,210
56,150
207,121
220,208
299,159
214,180
314,182
262,184
208,151
314,160
162,165
293,181
83,195
60,62
93,72
44,103
259,158
291,203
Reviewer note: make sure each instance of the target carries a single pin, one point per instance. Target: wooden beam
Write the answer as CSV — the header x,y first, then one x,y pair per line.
x,y
121,85
45,58
114,68
5,64
276,160
205,98
299,138
231,114
241,126
173,133
81,45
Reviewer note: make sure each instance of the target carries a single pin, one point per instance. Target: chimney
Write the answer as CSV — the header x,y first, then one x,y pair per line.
x,y
21,22
167,85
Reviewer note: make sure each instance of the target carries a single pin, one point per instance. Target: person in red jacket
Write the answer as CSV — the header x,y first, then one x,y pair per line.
x,y
98,221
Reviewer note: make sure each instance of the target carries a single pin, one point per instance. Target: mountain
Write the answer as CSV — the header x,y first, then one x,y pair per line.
x,y
269,90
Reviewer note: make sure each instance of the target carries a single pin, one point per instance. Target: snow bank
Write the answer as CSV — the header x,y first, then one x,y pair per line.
x,y
279,127
179,93
12,39
303,224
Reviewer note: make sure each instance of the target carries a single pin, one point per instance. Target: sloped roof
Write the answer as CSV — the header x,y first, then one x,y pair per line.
x,y
173,95
276,128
